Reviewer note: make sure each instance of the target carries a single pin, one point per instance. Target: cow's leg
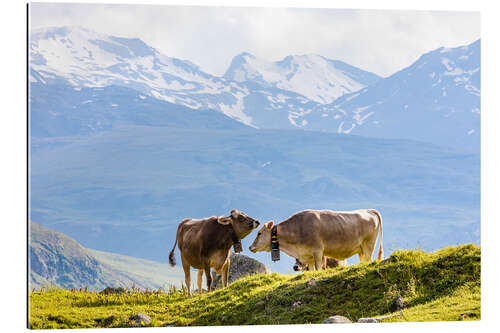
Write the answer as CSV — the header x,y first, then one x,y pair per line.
x,y
362,257
187,274
225,273
365,255
324,266
367,249
318,260
200,280
209,277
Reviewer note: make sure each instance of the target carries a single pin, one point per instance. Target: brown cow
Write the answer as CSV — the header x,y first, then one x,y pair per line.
x,y
311,234
327,263
206,243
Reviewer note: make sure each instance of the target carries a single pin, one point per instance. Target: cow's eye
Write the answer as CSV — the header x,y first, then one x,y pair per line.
x,y
241,218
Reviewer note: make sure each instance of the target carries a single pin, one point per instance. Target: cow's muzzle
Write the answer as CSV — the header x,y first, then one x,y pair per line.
x,y
296,268
253,249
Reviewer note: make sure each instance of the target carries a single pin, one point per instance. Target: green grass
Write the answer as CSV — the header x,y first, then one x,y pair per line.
x,y
435,286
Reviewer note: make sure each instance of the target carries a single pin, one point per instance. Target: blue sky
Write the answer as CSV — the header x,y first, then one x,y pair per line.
x,y
381,41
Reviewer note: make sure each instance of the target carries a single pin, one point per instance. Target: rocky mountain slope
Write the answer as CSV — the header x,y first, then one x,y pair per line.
x,y
56,259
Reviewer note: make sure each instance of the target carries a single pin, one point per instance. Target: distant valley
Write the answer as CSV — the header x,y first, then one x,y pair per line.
x,y
126,190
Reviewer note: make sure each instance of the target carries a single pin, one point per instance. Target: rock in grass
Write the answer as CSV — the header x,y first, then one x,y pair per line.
x,y
296,304
112,290
368,320
241,266
311,283
260,303
385,261
399,304
140,319
336,320
467,315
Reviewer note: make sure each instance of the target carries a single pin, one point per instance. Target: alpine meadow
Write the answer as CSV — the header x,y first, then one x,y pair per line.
x,y
126,142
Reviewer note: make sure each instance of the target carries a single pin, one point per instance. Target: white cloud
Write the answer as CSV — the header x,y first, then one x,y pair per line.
x,y
380,41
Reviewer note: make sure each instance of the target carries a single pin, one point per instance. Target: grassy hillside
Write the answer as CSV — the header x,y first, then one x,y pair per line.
x,y
434,286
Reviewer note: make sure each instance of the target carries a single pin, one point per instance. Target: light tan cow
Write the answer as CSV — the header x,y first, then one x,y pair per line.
x,y
311,234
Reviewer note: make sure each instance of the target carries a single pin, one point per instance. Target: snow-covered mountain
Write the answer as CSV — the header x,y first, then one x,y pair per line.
x,y
83,58
436,99
315,77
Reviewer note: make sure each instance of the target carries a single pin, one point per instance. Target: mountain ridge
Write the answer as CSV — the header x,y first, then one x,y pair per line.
x,y
301,91
440,92
56,259
333,78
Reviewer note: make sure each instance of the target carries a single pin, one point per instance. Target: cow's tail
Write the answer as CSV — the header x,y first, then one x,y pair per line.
x,y
171,257
380,250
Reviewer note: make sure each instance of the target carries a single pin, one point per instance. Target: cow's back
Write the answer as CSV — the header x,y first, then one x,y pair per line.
x,y
203,239
340,233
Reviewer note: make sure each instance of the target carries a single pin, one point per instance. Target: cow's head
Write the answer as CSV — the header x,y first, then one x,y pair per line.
x,y
241,222
299,266
263,240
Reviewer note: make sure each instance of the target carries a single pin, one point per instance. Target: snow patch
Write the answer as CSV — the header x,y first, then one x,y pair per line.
x,y
291,119
236,110
341,129
455,71
360,119
170,99
361,109
447,63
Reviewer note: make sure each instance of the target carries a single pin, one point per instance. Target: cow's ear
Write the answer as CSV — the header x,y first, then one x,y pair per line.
x,y
269,224
234,213
224,220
